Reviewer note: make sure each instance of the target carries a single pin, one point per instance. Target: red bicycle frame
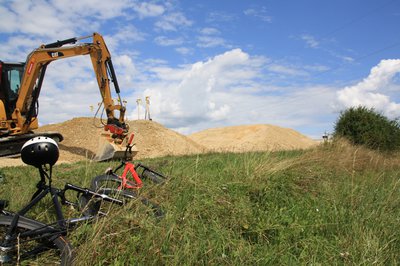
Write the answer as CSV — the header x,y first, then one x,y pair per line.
x,y
135,182
130,167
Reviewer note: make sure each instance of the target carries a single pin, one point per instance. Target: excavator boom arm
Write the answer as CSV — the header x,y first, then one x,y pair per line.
x,y
35,69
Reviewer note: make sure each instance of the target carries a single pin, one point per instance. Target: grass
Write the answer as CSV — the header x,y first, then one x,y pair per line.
x,y
335,204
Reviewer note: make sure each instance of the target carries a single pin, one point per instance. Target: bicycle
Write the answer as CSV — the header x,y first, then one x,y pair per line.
x,y
126,185
22,237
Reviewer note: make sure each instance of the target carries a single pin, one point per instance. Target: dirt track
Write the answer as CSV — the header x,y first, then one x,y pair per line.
x,y
81,139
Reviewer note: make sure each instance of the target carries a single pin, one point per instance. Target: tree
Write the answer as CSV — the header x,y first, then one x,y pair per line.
x,y
365,126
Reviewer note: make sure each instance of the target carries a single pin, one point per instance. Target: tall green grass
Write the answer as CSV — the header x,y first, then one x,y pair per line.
x,y
335,204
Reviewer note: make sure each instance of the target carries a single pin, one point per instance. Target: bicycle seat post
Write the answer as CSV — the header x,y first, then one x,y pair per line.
x,y
45,173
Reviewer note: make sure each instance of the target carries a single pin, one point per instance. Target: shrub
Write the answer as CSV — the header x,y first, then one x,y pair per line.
x,y
365,126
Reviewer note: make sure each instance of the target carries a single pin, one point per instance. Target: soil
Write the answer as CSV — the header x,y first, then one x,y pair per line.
x,y
82,138
252,138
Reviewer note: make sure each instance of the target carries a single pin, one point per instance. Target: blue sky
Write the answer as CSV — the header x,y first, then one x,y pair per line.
x,y
207,64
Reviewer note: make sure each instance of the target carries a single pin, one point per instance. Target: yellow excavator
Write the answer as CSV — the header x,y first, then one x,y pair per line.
x,y
21,83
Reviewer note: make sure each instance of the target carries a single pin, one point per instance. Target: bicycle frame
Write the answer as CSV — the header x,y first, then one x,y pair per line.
x,y
58,198
129,168
133,180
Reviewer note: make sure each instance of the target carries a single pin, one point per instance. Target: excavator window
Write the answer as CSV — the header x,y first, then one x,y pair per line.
x,y
10,84
14,77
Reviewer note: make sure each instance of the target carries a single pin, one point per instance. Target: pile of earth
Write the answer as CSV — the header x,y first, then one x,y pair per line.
x,y
82,138
252,138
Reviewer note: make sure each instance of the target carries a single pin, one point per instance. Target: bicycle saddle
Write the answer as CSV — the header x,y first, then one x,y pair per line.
x,y
40,151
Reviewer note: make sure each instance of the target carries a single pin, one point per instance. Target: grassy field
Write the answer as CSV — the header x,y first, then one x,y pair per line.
x,y
335,204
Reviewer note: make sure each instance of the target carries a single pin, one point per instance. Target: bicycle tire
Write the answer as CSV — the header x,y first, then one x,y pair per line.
x,y
103,184
156,178
27,245
110,185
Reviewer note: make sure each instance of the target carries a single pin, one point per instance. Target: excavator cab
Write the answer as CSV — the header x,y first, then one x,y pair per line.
x,y
10,82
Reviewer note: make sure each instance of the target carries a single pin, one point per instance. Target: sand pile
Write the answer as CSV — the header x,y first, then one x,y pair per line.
x,y
154,140
252,138
81,139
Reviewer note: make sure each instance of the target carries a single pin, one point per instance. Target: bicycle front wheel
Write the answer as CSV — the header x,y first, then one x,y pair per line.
x,y
108,185
111,186
31,239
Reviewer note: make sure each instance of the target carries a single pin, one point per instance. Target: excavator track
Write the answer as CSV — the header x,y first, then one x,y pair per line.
x,y
11,145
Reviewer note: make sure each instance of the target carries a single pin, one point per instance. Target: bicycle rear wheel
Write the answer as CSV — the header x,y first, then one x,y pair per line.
x,y
31,239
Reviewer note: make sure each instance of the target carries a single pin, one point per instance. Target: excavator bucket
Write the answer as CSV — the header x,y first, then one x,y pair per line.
x,y
109,150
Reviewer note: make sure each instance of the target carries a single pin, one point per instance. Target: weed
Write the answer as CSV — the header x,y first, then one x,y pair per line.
x,y
334,204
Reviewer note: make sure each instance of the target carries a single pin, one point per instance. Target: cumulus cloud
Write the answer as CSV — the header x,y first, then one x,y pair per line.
x,y
72,92
373,91
227,90
52,19
209,38
195,94
172,21
56,19
145,9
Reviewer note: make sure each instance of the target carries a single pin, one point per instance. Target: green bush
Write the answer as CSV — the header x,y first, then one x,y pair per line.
x,y
365,126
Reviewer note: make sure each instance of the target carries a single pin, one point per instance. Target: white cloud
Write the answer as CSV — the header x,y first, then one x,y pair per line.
x,y
93,8
209,38
145,9
59,19
185,99
165,41
310,40
221,113
69,89
223,90
218,16
372,91
209,31
227,90
39,18
184,50
173,21
210,41
128,33
260,13
287,70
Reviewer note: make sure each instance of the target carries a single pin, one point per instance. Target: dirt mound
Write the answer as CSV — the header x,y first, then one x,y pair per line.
x,y
81,139
252,138
154,140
